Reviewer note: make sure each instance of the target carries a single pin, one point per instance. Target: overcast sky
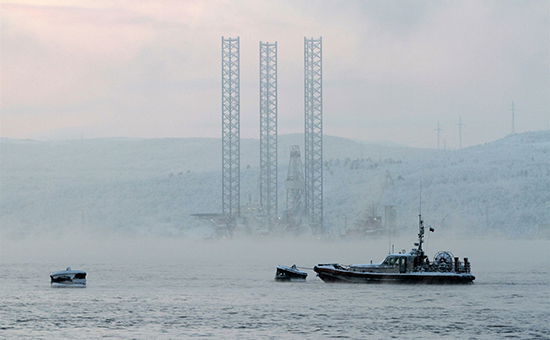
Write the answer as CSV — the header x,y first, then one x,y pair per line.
x,y
391,69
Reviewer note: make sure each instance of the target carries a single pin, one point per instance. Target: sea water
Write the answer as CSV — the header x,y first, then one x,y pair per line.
x,y
208,292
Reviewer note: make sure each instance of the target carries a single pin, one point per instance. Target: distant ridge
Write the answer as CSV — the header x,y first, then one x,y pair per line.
x,y
132,185
381,142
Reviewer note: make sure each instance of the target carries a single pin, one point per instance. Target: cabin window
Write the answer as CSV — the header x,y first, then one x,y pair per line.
x,y
79,276
60,278
390,261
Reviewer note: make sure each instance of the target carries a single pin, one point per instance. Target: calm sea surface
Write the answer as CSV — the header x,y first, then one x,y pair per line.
x,y
239,299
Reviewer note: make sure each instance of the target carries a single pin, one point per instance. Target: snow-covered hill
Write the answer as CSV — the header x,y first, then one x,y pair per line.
x,y
154,185
498,188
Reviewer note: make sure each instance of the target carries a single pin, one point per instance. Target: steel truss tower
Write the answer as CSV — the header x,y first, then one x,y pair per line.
x,y
294,186
268,131
313,107
230,131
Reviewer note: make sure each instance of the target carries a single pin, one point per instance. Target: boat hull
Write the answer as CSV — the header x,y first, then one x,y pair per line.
x,y
334,275
68,285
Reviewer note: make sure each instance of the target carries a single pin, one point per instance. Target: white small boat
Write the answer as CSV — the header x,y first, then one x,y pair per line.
x,y
68,278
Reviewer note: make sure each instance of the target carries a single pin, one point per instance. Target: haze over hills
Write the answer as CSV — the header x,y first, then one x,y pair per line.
x,y
152,186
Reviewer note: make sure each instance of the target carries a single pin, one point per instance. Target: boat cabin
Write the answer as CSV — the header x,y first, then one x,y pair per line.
x,y
402,263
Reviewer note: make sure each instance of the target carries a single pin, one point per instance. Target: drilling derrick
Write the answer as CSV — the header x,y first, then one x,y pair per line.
x,y
294,186
230,132
268,132
313,109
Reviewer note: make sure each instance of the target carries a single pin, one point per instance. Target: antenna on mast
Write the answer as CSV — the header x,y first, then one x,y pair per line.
x,y
420,208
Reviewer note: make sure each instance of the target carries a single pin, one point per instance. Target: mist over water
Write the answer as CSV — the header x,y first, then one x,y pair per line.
x,y
82,247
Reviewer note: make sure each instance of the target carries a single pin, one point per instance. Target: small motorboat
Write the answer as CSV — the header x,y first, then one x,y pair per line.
x,y
285,273
68,278
410,267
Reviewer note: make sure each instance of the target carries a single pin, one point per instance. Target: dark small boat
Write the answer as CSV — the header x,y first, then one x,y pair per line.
x,y
285,273
411,267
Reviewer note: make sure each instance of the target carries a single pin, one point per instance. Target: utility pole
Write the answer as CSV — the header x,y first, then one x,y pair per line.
x,y
460,125
513,118
439,129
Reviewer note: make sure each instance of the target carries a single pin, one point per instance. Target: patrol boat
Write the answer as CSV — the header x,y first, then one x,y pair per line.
x,y
411,267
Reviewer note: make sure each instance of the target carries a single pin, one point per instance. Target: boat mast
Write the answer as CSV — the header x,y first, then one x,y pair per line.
x,y
420,233
420,225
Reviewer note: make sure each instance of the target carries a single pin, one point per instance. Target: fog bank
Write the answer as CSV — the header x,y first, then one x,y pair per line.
x,y
80,250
